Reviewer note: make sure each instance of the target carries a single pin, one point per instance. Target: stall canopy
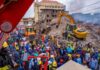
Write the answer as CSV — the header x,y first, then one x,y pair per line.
x,y
71,65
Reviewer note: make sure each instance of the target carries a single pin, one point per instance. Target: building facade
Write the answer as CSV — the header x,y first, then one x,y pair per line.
x,y
25,22
46,10
28,21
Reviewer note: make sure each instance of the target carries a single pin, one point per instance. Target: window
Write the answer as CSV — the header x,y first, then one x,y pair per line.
x,y
53,15
47,20
46,6
47,15
56,11
25,22
59,6
29,29
53,11
53,7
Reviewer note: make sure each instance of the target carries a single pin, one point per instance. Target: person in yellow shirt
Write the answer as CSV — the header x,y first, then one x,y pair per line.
x,y
40,62
5,68
54,65
34,42
69,36
70,56
16,46
5,44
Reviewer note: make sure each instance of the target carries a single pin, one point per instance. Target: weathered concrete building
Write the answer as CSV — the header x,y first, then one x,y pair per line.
x,y
28,21
25,22
46,10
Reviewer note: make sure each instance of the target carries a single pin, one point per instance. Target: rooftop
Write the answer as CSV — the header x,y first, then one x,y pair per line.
x,y
50,1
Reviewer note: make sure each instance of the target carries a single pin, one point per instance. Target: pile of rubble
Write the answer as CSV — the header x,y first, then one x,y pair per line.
x,y
94,34
93,30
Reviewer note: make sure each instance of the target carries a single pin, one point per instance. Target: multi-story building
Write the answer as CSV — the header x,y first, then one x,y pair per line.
x,y
46,10
25,22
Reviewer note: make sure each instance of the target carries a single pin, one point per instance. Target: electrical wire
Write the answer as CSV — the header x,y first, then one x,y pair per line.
x,y
92,9
87,6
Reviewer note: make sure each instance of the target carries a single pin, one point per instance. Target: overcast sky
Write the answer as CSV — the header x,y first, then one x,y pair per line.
x,y
74,6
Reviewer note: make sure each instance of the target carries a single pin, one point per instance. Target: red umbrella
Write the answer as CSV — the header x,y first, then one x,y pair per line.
x,y
12,12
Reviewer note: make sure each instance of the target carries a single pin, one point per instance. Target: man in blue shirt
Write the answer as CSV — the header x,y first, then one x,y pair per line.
x,y
93,64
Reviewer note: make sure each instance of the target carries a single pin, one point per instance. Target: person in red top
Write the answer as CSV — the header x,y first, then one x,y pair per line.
x,y
43,38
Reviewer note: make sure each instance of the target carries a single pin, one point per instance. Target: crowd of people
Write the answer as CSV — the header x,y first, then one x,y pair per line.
x,y
16,50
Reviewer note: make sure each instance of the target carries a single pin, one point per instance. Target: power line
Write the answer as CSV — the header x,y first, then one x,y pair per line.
x,y
87,6
91,9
